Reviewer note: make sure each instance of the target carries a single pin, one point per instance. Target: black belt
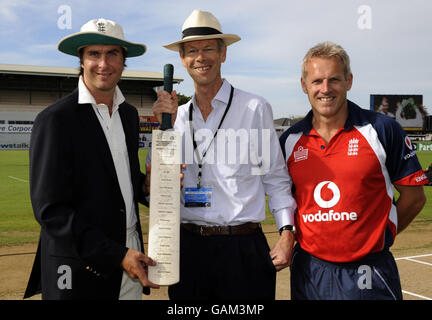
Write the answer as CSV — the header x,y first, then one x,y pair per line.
x,y
242,229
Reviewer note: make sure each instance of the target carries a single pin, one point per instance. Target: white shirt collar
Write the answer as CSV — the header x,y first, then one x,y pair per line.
x,y
224,92
84,95
222,95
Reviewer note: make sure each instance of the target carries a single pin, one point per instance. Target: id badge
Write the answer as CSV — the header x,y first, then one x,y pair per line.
x,y
201,197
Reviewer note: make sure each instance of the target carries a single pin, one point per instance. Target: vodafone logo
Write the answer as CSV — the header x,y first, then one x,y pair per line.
x,y
408,143
412,153
331,215
323,203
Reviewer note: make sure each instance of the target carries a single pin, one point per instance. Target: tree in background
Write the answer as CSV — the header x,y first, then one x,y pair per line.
x,y
182,99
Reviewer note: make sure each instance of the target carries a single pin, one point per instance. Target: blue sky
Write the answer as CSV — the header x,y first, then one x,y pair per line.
x,y
389,41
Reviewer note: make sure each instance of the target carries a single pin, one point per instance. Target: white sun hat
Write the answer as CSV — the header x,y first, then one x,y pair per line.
x,y
202,25
99,31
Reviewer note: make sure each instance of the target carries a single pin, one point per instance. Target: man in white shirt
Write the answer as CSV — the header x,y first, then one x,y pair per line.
x,y
233,159
85,179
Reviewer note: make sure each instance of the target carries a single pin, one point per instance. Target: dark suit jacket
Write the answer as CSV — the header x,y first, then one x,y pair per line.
x,y
76,199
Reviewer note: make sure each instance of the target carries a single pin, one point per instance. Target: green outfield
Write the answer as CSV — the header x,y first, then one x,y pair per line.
x,y
17,223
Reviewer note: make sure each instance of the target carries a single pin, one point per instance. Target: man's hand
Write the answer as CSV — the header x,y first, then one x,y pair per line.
x,y
182,167
135,264
146,184
165,103
282,252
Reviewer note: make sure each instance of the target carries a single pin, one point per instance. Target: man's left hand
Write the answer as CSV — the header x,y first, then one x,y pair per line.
x,y
282,252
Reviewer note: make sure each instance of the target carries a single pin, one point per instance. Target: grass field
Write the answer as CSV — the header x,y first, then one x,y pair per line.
x,y
17,223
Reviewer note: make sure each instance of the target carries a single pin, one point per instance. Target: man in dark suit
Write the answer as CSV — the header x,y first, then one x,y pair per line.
x,y
85,179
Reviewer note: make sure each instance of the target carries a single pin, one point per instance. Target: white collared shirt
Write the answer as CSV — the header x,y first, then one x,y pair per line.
x,y
114,133
231,169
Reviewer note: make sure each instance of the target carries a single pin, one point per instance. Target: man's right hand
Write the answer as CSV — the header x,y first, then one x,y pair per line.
x,y
146,184
135,264
165,103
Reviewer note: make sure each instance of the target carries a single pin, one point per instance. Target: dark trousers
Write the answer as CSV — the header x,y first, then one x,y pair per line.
x,y
224,267
374,277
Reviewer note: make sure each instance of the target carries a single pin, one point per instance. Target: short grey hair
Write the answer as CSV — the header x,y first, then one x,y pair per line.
x,y
327,50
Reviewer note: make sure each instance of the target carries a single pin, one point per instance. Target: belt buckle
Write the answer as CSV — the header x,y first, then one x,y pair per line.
x,y
201,229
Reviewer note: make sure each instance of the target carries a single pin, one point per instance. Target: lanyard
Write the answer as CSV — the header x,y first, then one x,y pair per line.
x,y
200,159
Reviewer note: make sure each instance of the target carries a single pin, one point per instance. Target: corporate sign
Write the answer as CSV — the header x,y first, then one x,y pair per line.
x,y
16,128
421,146
15,136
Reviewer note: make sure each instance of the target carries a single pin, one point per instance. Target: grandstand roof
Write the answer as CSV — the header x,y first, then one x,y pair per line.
x,y
73,72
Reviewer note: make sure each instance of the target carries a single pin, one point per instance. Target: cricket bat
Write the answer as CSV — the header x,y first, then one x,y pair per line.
x,y
164,222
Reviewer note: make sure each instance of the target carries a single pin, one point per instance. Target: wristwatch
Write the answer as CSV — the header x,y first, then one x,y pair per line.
x,y
286,227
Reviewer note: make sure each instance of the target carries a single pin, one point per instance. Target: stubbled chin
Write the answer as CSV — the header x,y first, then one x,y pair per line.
x,y
202,74
104,78
326,109
326,106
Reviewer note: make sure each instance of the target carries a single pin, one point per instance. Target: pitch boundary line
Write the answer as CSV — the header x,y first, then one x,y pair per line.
x,y
412,257
418,261
18,179
416,295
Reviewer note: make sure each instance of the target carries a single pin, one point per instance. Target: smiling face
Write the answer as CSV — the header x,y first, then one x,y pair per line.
x,y
203,60
326,87
102,68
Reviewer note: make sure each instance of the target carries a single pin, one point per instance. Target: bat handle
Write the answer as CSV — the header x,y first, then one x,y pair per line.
x,y
166,121
168,85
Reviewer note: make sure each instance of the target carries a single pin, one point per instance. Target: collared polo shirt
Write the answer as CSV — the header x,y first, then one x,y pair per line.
x,y
344,189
